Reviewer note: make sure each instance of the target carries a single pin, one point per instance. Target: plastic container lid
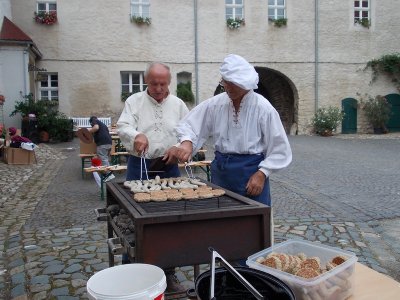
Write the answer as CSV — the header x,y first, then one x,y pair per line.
x,y
131,281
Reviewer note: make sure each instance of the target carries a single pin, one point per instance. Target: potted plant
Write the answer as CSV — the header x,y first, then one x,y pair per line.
x,y
49,119
234,23
326,120
141,20
279,22
48,18
364,22
378,111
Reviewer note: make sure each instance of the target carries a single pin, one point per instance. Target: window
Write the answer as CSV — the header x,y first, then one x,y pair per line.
x,y
276,9
361,12
234,9
140,8
132,82
46,6
48,87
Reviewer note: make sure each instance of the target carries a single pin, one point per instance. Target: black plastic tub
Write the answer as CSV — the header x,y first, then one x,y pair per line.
x,y
228,287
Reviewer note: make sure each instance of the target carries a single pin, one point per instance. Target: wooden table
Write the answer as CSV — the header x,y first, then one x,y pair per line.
x,y
103,171
203,165
372,285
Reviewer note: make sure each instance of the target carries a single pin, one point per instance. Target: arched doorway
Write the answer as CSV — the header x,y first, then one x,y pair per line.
x,y
394,121
277,89
349,122
280,92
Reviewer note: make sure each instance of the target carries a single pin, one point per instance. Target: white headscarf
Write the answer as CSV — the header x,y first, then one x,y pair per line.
x,y
237,70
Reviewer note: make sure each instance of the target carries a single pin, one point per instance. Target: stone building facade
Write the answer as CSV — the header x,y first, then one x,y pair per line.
x,y
317,59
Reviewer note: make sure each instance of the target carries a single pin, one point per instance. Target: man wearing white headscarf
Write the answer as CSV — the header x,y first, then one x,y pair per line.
x,y
250,141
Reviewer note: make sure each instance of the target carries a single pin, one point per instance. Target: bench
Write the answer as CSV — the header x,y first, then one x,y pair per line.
x,y
84,122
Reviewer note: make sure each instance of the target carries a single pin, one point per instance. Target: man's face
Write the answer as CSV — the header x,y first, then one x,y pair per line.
x,y
234,92
158,81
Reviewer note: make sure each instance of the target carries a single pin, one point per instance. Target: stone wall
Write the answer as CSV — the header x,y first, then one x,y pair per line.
x,y
94,41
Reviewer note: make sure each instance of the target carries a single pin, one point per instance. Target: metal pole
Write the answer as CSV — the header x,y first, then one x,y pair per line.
x,y
316,56
196,62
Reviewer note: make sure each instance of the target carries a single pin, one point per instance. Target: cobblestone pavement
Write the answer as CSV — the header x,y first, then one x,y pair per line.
x,y
342,191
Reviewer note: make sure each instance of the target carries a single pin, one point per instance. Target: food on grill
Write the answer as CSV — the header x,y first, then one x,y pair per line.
x,y
173,195
190,196
197,182
162,189
205,194
141,197
158,196
204,187
218,192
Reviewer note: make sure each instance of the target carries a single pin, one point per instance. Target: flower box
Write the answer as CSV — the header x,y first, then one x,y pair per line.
x,y
47,18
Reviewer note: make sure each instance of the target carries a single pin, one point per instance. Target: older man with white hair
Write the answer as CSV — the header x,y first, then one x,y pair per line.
x,y
249,138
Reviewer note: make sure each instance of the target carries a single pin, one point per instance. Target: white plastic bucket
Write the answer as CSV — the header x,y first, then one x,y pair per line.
x,y
128,282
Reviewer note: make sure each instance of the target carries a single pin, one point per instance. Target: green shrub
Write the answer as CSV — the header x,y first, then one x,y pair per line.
x,y
326,120
377,110
57,124
184,92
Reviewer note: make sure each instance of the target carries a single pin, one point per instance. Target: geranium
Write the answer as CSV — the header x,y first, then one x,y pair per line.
x,y
48,18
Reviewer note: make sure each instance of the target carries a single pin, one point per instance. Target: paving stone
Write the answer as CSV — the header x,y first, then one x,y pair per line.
x,y
40,232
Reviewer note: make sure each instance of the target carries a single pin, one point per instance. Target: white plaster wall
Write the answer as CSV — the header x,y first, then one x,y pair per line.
x,y
94,41
12,85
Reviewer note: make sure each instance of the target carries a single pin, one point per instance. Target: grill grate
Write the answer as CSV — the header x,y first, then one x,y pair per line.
x,y
190,205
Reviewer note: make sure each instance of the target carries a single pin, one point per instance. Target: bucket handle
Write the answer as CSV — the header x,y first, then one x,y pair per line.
x,y
249,287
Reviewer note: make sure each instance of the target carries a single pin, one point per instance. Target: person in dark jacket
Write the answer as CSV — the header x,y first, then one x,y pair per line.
x,y
103,141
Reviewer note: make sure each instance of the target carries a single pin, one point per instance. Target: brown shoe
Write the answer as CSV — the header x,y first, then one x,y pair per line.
x,y
173,285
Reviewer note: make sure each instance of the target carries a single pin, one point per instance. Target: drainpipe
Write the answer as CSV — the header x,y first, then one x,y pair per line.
x,y
26,71
196,62
316,55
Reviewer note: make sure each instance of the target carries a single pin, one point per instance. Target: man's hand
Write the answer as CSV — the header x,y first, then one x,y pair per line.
x,y
184,152
255,185
141,144
170,156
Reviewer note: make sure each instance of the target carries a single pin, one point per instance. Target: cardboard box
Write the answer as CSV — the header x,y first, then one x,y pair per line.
x,y
88,148
18,156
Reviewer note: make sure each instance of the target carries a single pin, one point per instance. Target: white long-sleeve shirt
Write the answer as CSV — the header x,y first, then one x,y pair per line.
x,y
256,129
143,114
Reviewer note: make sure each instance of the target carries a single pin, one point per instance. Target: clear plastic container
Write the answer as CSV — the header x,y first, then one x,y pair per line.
x,y
335,284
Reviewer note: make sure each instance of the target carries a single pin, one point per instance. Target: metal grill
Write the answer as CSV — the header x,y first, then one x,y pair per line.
x,y
178,233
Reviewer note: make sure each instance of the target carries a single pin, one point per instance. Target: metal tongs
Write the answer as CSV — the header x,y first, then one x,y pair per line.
x,y
143,163
232,270
188,170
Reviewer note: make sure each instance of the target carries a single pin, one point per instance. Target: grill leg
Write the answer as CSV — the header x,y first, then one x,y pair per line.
x,y
196,271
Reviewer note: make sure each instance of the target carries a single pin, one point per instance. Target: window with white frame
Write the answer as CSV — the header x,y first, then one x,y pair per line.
x,y
234,9
48,86
276,9
46,6
140,8
132,82
361,11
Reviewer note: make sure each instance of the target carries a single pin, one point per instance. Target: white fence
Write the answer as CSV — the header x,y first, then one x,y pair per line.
x,y
84,122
